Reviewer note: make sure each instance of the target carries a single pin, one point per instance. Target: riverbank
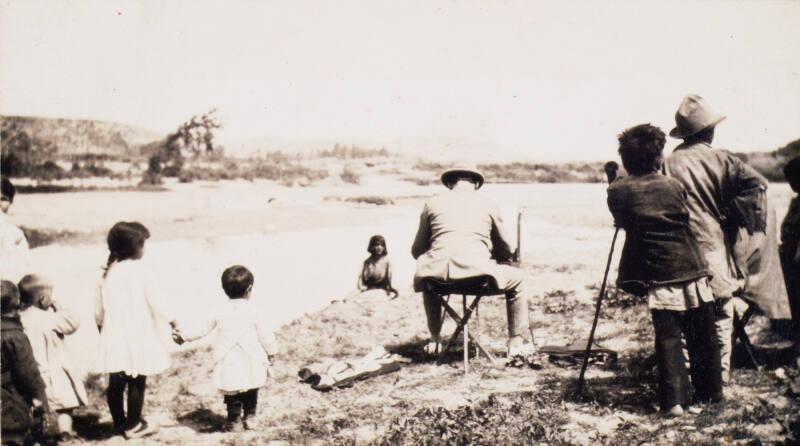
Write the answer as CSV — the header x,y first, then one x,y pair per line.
x,y
305,251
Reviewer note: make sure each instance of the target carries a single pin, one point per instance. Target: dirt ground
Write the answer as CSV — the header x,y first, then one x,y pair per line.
x,y
305,250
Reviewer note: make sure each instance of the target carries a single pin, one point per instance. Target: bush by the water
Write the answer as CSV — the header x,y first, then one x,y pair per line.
x,y
771,164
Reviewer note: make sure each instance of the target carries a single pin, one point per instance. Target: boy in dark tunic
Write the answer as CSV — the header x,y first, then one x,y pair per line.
x,y
661,260
22,385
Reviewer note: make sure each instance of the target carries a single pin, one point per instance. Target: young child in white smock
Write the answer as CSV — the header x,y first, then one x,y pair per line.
x,y
46,324
243,347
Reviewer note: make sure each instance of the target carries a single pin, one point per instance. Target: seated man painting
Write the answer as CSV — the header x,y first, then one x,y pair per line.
x,y
461,236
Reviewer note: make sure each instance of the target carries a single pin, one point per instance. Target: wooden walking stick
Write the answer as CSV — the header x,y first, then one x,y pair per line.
x,y
611,171
596,314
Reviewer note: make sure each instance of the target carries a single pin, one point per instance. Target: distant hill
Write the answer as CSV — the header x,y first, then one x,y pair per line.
x,y
65,138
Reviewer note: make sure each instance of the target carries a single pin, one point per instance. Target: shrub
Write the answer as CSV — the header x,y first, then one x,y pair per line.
x,y
350,176
371,199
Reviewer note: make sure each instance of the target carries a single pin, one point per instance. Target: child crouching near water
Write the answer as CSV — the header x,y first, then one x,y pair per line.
x,y
376,273
662,261
243,350
134,324
46,324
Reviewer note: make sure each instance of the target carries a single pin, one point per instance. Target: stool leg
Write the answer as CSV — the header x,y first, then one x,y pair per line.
x,y
466,337
477,335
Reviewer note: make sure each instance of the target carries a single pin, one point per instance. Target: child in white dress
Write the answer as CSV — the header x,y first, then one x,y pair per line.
x,y
134,325
46,323
243,347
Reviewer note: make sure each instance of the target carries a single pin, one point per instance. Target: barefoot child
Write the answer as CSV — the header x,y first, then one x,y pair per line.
x,y
376,272
134,333
46,324
661,260
243,348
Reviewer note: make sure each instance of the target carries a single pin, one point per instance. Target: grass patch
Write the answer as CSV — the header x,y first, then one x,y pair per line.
x,y
426,404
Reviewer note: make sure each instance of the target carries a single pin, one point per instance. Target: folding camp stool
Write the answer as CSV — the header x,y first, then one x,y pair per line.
x,y
739,332
478,287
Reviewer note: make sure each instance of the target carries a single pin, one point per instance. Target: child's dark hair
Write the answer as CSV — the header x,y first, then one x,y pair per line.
x,y
236,281
125,240
792,173
377,240
28,288
640,148
9,296
7,189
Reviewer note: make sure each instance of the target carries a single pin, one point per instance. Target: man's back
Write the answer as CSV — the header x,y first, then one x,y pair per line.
x,y
714,180
463,221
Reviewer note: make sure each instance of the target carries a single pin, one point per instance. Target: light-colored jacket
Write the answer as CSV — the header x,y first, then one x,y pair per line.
x,y
460,235
14,257
134,320
241,347
758,257
713,179
45,330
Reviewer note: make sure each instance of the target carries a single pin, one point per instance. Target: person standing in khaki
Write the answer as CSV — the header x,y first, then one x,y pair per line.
x,y
724,194
461,235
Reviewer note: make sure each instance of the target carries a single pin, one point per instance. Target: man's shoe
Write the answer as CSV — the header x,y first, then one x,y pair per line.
x,y
523,349
432,348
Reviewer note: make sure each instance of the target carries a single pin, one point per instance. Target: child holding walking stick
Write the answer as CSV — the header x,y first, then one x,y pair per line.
x,y
661,260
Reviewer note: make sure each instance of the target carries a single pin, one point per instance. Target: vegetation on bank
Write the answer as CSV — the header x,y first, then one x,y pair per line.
x,y
770,164
49,150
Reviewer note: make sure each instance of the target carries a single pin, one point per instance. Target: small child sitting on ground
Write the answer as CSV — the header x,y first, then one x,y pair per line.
x,y
243,349
376,272
46,323
790,245
662,260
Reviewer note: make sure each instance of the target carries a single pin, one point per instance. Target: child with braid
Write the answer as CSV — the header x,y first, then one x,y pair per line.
x,y
134,326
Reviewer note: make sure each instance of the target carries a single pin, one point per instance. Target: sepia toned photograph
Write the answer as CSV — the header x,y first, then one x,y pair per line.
x,y
441,222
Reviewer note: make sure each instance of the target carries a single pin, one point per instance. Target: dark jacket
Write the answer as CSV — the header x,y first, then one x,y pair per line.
x,y
21,381
659,248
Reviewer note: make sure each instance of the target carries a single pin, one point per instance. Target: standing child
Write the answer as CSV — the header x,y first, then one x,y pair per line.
x,y
46,324
23,388
13,244
243,348
790,245
661,260
376,272
132,319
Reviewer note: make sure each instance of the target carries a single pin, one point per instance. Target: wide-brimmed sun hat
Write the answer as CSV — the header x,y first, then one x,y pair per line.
x,y
462,170
693,115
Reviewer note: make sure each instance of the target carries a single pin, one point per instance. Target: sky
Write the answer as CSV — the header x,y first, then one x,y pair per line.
x,y
546,81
